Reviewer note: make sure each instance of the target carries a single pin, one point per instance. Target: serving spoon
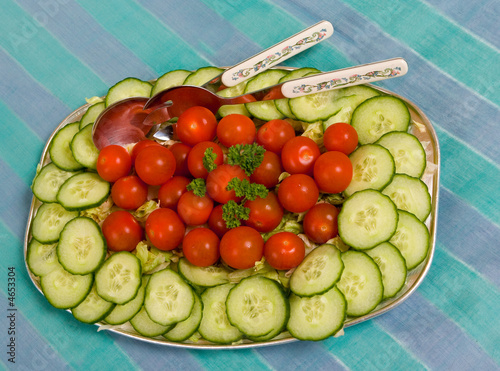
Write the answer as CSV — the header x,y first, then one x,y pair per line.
x,y
127,121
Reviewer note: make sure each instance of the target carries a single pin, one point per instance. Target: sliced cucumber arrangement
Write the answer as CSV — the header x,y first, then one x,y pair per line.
x,y
381,232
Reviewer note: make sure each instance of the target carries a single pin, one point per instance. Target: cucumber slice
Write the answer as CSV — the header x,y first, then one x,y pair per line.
x,y
319,271
128,88
265,110
257,306
202,276
392,265
410,194
60,151
83,148
118,280
373,168
91,115
145,326
169,80
41,258
48,181
83,191
409,154
317,317
169,299
82,247
215,326
122,313
411,238
315,107
49,221
93,309
233,91
361,283
183,330
65,290
202,75
367,219
379,115
282,104
362,92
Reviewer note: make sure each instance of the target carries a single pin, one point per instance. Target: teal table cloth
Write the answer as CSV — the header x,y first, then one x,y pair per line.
x,y
56,53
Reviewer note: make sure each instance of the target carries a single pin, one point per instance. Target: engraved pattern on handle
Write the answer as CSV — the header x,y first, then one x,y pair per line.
x,y
345,77
277,53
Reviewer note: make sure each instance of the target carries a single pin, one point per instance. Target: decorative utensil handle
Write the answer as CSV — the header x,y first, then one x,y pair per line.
x,y
362,74
277,54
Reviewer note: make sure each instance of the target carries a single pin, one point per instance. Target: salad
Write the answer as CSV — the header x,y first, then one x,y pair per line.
x,y
266,220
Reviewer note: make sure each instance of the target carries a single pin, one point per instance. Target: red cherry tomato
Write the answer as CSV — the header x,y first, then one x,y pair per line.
x,y
195,158
340,137
165,229
265,213
170,192
299,155
216,221
236,129
333,172
218,180
274,134
194,210
320,222
284,250
241,247
201,247
181,152
268,172
155,165
122,231
129,192
113,163
196,124
139,146
298,193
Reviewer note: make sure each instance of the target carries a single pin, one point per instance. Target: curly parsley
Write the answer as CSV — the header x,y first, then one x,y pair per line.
x,y
247,156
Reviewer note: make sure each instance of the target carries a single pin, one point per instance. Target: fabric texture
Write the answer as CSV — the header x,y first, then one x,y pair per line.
x,y
56,53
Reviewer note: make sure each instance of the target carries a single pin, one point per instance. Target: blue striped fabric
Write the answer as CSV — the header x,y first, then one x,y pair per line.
x,y
56,53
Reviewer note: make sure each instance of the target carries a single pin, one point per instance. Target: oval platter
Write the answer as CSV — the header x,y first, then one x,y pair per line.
x,y
421,127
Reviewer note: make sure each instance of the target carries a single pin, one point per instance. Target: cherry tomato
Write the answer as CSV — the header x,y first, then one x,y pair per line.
x,y
129,192
201,247
298,193
265,213
139,146
218,180
194,210
113,163
284,250
340,137
216,222
170,192
122,231
181,152
299,155
236,129
165,229
196,124
155,165
320,222
195,158
268,171
274,134
241,247
333,172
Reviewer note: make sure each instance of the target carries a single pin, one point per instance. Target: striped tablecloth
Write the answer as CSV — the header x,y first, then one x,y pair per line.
x,y
54,53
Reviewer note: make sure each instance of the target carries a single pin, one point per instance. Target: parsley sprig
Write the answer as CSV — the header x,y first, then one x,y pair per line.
x,y
247,156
